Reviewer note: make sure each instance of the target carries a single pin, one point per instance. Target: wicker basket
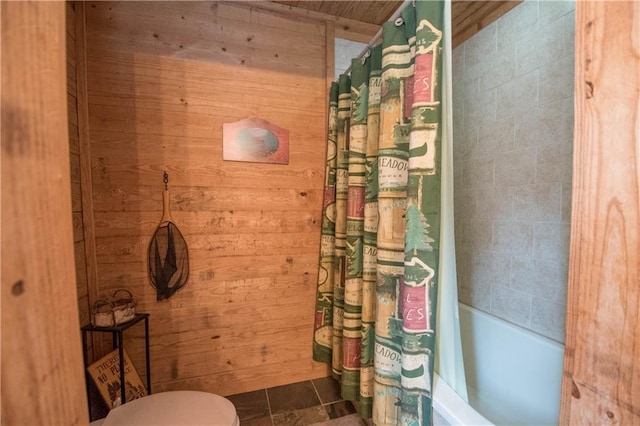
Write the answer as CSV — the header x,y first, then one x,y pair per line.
x,y
102,314
124,306
115,310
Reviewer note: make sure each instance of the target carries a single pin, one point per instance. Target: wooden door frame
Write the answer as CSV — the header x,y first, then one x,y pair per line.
x,y
42,368
601,380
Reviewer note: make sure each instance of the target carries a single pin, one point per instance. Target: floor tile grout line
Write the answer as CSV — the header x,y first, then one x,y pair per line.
x,y
317,393
269,406
322,404
319,399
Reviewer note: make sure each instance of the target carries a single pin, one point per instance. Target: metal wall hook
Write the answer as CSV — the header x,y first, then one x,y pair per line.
x,y
364,57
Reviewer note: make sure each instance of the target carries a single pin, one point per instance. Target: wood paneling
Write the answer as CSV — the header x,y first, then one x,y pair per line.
x,y
81,284
217,222
601,383
74,160
330,55
42,371
204,198
76,175
205,245
468,17
160,86
81,188
348,26
238,267
372,12
76,197
90,267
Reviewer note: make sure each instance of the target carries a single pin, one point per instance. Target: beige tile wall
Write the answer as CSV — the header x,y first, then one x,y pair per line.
x,y
513,138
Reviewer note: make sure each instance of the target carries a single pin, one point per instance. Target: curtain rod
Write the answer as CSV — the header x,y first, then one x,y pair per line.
x,y
377,36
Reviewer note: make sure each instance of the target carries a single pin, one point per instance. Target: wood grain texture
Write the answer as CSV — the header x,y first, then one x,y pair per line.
x,y
91,267
70,22
74,161
601,383
160,85
77,227
204,245
81,274
206,198
42,371
347,26
215,222
74,153
468,17
232,268
330,54
371,12
230,382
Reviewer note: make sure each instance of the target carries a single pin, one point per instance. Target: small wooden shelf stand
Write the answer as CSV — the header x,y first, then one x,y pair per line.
x,y
117,333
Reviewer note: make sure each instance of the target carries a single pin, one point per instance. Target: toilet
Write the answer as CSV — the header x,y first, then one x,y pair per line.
x,y
175,408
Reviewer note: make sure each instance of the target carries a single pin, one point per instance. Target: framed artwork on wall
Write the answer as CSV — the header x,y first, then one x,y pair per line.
x,y
255,140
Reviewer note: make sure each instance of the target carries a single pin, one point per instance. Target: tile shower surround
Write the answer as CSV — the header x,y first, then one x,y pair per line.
x,y
513,147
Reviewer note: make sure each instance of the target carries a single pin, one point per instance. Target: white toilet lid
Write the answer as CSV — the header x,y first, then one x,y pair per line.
x,y
175,409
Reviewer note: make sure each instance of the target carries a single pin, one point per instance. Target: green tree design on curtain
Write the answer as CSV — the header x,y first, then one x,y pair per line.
x,y
387,226
419,292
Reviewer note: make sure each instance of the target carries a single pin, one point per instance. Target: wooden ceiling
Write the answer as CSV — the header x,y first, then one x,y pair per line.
x,y
468,17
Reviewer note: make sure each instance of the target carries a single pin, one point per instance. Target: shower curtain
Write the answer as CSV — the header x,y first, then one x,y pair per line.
x,y
379,271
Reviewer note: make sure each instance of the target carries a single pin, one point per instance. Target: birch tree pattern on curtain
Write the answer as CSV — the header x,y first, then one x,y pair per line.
x,y
323,326
370,234
352,326
381,330
393,156
342,191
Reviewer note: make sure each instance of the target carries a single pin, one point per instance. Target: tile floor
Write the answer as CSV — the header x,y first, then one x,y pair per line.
x,y
313,402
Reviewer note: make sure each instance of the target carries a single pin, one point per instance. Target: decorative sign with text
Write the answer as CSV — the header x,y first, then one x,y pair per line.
x,y
106,375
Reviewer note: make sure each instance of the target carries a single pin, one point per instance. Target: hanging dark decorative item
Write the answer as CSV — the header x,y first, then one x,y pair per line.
x,y
168,254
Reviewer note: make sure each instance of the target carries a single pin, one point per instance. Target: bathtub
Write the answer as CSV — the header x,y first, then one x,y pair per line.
x,y
513,375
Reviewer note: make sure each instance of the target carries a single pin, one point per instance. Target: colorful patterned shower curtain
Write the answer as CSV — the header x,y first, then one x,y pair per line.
x,y
379,262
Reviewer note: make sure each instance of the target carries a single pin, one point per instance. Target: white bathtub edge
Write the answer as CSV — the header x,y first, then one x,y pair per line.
x,y
453,408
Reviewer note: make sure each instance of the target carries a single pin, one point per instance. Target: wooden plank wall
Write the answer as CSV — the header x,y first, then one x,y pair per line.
x,y
601,383
76,179
161,83
343,27
42,373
